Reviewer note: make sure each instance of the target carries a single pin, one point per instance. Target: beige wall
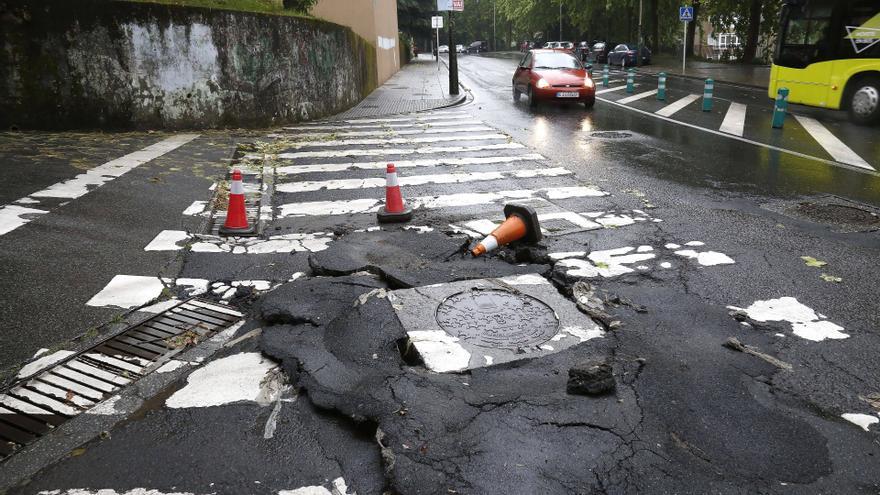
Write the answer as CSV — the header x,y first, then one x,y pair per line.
x,y
373,20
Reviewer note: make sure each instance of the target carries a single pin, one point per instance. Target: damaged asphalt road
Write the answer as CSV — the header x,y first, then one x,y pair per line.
x,y
669,340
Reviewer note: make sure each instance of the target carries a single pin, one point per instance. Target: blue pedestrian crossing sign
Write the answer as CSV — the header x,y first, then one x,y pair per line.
x,y
686,14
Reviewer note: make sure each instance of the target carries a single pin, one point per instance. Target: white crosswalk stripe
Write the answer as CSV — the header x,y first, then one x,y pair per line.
x,y
431,162
734,119
834,146
385,125
677,105
429,150
638,96
371,205
396,132
414,180
609,90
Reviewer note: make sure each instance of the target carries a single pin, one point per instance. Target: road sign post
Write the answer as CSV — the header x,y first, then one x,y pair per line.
x,y
451,6
685,15
437,24
605,76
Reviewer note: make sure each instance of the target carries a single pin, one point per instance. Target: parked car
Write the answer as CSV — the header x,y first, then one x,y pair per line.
x,y
553,75
624,54
582,51
443,49
478,47
566,45
459,48
600,51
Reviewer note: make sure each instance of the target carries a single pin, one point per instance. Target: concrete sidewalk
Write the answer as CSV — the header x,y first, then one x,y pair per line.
x,y
419,85
734,73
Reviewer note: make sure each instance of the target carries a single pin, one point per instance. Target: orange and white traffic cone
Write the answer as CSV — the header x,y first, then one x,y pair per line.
x,y
236,215
521,224
395,210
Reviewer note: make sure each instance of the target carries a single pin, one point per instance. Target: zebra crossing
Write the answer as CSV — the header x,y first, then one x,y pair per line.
x,y
748,122
312,197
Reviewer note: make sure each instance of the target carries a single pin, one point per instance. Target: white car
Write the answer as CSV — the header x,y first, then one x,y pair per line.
x,y
443,49
459,48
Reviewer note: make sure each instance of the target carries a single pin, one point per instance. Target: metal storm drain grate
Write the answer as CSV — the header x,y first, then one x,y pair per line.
x,y
610,135
36,404
497,318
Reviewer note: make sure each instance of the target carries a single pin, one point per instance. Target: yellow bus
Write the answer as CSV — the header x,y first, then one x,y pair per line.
x,y
828,55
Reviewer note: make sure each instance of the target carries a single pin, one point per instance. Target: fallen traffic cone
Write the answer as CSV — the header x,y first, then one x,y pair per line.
x,y
236,216
395,209
521,223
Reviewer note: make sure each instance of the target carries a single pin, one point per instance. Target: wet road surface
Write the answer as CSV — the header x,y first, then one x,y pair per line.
x,y
673,239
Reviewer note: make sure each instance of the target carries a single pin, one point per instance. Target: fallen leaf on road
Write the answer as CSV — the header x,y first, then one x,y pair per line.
x,y
77,452
601,264
831,278
810,261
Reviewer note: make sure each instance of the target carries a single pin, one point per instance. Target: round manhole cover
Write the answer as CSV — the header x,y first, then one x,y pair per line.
x,y
497,318
610,135
836,213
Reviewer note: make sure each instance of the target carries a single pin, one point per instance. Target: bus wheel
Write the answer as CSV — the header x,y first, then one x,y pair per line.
x,y
864,100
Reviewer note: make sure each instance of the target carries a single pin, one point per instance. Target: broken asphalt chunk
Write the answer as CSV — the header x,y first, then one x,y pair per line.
x,y
590,379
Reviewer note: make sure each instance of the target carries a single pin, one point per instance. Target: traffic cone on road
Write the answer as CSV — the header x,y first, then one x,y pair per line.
x,y
395,209
522,223
236,215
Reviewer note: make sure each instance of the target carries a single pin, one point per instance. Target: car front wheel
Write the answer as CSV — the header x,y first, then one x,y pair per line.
x,y
516,94
864,101
589,102
533,102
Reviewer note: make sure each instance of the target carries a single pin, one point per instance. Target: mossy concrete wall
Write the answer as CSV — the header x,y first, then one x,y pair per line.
x,y
112,64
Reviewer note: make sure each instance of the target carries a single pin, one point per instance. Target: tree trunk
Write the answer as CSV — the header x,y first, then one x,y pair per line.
x,y
751,46
655,26
692,29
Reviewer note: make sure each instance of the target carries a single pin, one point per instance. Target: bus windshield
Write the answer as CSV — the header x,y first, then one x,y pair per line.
x,y
818,30
807,36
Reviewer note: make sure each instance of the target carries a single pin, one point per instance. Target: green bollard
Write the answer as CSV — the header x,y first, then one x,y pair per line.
x,y
707,95
605,76
780,108
630,81
661,86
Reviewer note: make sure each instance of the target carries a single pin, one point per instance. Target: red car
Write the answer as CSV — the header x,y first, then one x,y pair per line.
x,y
553,75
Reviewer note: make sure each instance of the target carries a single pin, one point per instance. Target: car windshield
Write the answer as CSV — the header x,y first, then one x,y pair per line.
x,y
599,46
556,61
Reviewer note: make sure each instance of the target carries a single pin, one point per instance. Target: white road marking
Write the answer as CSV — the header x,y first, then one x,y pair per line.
x,y
639,96
864,421
608,90
370,205
14,216
128,291
247,376
429,150
734,120
744,140
677,105
394,140
391,133
424,118
169,240
708,258
393,125
805,323
414,180
432,162
834,146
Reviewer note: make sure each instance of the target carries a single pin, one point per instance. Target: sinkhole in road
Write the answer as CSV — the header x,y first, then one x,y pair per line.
x,y
471,324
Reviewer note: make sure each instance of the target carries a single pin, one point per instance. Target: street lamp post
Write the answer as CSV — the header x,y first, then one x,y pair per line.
x,y
640,41
494,37
560,20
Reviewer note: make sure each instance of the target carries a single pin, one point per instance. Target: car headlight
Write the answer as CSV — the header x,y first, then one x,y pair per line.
x,y
542,83
588,83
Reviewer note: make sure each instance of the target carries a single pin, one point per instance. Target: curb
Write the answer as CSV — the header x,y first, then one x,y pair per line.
x,y
698,78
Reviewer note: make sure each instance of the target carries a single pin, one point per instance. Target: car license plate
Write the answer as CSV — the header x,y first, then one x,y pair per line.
x,y
567,94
